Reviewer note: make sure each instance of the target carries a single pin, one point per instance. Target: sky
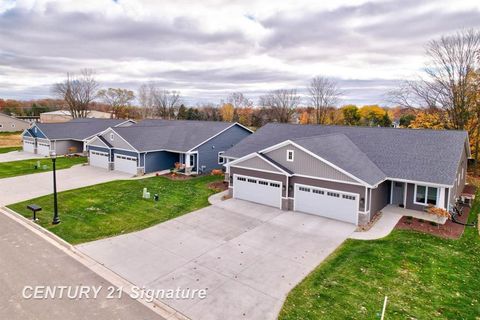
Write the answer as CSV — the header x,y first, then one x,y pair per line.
x,y
210,48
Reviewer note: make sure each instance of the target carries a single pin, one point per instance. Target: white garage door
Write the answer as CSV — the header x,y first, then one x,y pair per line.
x,y
28,146
327,203
258,190
44,148
125,164
98,159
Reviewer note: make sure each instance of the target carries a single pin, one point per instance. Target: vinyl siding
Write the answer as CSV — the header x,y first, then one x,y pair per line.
x,y
162,160
37,134
260,174
257,163
97,143
6,123
380,197
458,189
208,152
305,164
118,141
63,146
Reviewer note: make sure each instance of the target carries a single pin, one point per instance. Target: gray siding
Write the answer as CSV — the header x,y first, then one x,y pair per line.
x,y
162,160
9,124
208,152
63,146
118,141
380,197
306,164
128,153
257,163
410,197
260,174
97,143
458,188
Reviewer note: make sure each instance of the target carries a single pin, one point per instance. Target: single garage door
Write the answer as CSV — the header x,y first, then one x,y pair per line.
x,y
44,148
262,191
125,164
327,203
98,159
29,146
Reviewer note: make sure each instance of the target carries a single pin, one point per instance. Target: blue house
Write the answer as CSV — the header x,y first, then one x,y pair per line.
x,y
156,145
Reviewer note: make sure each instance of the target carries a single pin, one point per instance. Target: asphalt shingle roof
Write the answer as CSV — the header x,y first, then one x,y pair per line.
x,y
174,135
77,129
419,155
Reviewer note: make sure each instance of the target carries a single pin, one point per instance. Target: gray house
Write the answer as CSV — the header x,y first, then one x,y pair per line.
x,y
12,124
67,137
156,145
348,173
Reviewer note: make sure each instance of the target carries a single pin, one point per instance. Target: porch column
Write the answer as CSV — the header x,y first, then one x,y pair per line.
x,y
441,198
188,165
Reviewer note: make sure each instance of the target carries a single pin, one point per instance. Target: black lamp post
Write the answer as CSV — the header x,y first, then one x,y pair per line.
x,y
56,219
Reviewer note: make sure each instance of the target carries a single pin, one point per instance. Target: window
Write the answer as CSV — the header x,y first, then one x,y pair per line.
x,y
426,195
275,185
241,179
35,129
333,194
304,189
345,196
221,160
1,125
318,191
13,125
265,183
111,136
290,155
252,180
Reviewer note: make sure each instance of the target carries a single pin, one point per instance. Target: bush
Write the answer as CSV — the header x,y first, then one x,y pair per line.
x,y
217,172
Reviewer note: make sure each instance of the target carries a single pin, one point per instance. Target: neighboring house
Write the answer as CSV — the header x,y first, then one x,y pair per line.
x,y
156,145
67,137
12,124
66,115
348,173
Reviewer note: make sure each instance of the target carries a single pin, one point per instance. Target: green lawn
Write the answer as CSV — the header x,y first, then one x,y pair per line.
x,y
117,207
424,277
22,167
9,149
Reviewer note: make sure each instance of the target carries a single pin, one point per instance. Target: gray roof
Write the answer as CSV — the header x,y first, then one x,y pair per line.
x,y
77,129
174,135
410,154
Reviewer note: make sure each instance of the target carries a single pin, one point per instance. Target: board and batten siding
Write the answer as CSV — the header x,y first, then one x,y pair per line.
x,y
257,163
208,152
305,164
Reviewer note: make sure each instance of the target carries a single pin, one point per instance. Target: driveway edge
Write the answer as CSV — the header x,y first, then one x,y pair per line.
x,y
157,306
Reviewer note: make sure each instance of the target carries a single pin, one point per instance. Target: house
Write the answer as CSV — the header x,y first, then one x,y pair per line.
x,y
12,124
348,173
156,145
66,115
67,137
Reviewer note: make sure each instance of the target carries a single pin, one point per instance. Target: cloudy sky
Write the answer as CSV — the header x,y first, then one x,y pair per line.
x,y
209,48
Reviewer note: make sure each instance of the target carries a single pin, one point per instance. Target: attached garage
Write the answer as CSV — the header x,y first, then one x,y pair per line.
x,y
267,192
43,148
29,146
328,203
125,163
98,159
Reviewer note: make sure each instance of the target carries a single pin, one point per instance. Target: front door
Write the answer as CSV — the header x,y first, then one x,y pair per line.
x,y
193,161
398,188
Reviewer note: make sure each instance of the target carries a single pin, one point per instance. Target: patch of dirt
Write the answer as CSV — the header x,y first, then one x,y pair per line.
x,y
11,140
449,230
369,225
218,186
173,176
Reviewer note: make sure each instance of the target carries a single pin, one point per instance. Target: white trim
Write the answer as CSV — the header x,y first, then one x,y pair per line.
x,y
426,195
419,182
328,179
292,152
405,191
89,143
113,147
261,170
234,124
35,126
219,155
129,120
252,155
391,191
256,178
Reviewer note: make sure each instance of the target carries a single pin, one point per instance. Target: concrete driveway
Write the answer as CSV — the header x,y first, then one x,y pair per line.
x,y
247,256
30,186
18,155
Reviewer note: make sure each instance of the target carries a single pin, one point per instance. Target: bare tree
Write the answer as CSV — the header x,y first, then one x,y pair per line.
x,y
282,104
239,100
324,93
145,99
165,102
116,99
78,92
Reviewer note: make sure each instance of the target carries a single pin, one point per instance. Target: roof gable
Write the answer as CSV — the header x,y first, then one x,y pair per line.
x,y
256,162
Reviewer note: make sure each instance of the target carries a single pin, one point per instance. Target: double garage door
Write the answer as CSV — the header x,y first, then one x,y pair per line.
x,y
328,203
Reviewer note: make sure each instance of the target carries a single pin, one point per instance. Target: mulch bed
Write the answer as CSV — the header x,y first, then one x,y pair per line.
x,y
177,176
449,230
218,186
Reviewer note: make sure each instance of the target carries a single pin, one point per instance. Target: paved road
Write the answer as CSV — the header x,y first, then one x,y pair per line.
x,y
247,256
18,155
28,260
30,186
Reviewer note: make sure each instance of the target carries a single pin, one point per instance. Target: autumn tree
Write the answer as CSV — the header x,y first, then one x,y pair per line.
x,y
281,104
351,115
118,100
324,93
78,92
227,112
371,115
406,120
430,119
239,100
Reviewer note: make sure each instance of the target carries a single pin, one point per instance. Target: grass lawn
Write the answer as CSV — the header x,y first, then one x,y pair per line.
x,y
22,167
424,277
9,149
117,207
10,139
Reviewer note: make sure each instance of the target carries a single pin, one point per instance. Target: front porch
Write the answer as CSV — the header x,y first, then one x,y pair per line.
x,y
396,210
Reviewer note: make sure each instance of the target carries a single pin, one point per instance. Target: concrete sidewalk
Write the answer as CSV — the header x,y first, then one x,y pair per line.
x,y
19,155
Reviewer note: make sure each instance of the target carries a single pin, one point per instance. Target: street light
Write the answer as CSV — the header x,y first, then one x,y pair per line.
x,y
56,219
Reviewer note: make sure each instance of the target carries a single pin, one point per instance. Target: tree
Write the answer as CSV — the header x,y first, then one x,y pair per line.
x,y
193,114
372,115
281,104
432,119
324,93
182,112
351,116
239,100
385,120
227,112
145,98
406,120
117,99
164,101
78,92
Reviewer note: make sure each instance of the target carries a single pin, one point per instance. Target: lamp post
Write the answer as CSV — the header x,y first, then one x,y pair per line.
x,y
56,219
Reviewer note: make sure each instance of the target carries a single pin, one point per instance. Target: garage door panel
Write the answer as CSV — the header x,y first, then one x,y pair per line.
x,y
29,146
326,203
98,159
126,164
43,148
257,190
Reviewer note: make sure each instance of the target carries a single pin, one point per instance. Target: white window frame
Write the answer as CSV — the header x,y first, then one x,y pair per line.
x,y
13,125
1,125
220,153
426,195
290,152
112,136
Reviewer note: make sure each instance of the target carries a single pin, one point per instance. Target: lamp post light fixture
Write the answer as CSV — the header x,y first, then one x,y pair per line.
x,y
56,219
